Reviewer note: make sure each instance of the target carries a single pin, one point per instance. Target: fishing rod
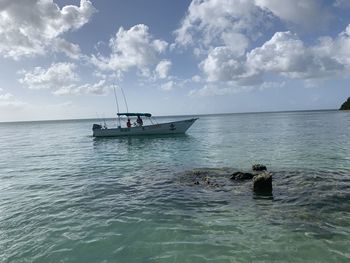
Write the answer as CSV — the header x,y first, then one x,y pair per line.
x,y
101,119
126,104
116,102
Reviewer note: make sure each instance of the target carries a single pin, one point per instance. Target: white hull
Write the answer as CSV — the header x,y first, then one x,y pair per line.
x,y
176,127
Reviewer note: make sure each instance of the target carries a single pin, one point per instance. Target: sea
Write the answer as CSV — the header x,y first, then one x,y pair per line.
x,y
66,196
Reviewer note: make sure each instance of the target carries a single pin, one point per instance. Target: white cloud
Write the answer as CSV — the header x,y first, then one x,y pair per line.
x,y
133,48
99,88
214,90
70,49
312,83
162,69
8,101
284,54
272,85
338,48
5,96
62,79
223,65
222,31
12,104
216,21
287,55
32,27
308,14
207,90
196,78
16,110
168,86
56,76
342,3
236,42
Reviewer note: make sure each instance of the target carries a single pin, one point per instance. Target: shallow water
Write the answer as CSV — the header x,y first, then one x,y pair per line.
x,y
68,197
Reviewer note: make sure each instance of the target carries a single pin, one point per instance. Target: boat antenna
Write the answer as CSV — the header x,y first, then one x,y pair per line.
x,y
116,102
98,117
126,104
104,122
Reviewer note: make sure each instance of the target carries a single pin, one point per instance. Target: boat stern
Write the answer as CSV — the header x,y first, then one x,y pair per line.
x,y
96,128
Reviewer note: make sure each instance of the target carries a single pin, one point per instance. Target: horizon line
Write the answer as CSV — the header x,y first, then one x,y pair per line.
x,y
162,116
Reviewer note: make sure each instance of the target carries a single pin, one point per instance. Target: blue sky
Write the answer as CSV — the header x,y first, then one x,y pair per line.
x,y
61,59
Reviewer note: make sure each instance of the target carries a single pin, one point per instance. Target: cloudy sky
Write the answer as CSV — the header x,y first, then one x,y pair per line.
x,y
61,58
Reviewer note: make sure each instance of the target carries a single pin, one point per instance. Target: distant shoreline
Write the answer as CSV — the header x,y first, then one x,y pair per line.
x,y
168,116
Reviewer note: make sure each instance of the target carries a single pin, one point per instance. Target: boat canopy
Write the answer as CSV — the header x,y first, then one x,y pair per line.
x,y
135,114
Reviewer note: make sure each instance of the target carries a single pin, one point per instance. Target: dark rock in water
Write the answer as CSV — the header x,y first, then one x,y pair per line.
x,y
207,177
207,180
345,105
263,182
241,176
226,179
259,167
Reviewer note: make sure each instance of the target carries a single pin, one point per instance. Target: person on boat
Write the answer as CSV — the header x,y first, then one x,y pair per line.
x,y
139,120
128,123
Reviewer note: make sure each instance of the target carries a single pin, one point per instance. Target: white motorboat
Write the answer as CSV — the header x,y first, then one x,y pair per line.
x,y
175,127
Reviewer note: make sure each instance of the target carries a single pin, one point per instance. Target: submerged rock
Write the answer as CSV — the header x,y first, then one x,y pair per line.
x,y
226,179
207,177
239,176
263,183
259,167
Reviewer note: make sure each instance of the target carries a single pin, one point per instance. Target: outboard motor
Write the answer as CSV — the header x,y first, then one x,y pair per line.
x,y
96,127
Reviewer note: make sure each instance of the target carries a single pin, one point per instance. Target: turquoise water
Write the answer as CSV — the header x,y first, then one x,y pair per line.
x,y
68,197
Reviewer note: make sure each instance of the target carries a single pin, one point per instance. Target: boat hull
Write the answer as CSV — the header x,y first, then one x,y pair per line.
x,y
175,127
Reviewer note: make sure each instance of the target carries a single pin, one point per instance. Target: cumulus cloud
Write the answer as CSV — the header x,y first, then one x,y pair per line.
x,y
5,96
284,54
272,85
15,109
213,21
287,55
32,27
8,101
196,78
223,65
226,89
168,86
235,23
224,34
70,49
342,3
56,76
133,48
214,90
62,79
300,12
208,90
162,69
99,88
337,48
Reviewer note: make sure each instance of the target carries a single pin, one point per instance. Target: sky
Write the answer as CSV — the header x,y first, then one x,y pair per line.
x,y
62,59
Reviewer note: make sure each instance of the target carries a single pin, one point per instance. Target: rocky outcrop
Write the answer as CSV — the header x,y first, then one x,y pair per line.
x,y
225,179
345,105
259,167
239,176
262,183
207,177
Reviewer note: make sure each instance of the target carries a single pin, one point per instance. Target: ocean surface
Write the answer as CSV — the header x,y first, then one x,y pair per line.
x,y
68,197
